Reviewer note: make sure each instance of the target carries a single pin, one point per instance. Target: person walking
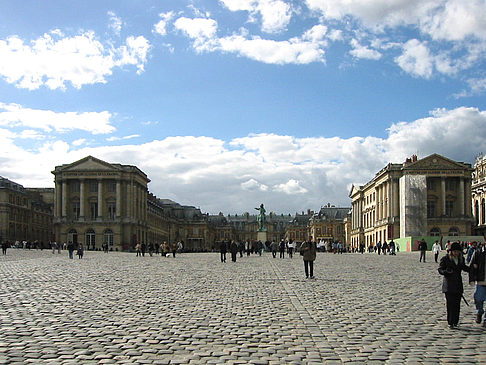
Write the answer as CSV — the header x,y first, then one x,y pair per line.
x,y
223,247
308,251
234,250
470,251
274,248
80,251
165,248
282,249
5,245
436,250
290,247
173,248
138,248
70,248
478,275
450,267
378,247
422,246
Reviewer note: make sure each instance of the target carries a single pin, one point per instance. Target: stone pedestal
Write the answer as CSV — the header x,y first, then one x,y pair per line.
x,y
262,236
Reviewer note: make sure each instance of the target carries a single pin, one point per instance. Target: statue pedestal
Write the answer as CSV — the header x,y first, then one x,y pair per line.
x,y
262,236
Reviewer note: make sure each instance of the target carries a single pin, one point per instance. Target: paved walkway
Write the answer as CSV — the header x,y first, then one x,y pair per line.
x,y
118,308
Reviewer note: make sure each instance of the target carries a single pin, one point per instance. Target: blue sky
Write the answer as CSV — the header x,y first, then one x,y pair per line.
x,y
227,104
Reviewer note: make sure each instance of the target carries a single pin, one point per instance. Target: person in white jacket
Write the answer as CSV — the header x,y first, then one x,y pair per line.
x,y
436,249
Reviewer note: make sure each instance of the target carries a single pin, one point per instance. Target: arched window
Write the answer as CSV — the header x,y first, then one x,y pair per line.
x,y
108,237
435,231
90,238
453,231
72,236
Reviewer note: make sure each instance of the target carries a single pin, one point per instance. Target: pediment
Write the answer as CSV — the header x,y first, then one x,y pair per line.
x,y
90,163
435,162
354,190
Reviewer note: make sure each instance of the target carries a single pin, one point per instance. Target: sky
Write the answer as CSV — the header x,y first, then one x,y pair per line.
x,y
227,104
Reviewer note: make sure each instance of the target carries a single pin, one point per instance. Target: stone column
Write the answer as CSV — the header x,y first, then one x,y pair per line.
x,y
129,200
389,201
396,198
461,196
81,198
58,201
468,197
100,198
64,198
443,195
118,198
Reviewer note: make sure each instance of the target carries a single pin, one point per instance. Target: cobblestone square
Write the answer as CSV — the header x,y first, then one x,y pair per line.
x,y
119,308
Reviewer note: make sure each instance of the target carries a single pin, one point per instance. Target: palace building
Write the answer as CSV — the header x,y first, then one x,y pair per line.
x,y
426,197
25,213
97,202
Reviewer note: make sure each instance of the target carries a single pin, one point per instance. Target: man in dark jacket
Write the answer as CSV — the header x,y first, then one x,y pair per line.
x,y
309,253
478,274
223,247
423,249
451,266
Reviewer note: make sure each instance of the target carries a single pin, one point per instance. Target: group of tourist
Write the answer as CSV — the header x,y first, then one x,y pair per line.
x,y
166,249
307,249
451,267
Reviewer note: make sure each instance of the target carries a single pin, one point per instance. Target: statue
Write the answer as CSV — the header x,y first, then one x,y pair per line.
x,y
261,218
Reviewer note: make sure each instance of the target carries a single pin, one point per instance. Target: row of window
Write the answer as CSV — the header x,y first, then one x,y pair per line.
x,y
453,231
93,210
432,208
90,237
17,200
450,184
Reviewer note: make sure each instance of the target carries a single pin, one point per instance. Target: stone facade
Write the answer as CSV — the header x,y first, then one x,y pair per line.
x,y
427,197
478,191
97,202
329,224
25,213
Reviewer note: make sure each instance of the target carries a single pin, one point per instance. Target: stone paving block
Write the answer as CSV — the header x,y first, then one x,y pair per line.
x,y
124,310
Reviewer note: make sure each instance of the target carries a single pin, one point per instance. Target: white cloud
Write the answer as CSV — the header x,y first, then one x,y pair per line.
x,y
441,19
54,60
79,142
111,139
197,28
275,15
14,115
161,26
291,187
31,134
456,20
286,173
134,53
115,22
360,51
273,52
253,185
296,50
416,59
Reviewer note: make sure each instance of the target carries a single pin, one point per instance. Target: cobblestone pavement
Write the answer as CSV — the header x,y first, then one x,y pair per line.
x,y
118,308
